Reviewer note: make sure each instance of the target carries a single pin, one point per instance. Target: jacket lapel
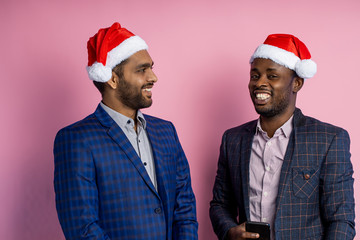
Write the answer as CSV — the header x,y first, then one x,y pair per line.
x,y
291,153
115,132
153,135
246,146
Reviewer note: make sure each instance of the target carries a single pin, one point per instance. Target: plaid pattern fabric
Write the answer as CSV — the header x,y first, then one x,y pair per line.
x,y
104,192
316,196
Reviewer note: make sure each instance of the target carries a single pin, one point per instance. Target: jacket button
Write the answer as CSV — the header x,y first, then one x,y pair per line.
x,y
307,176
157,210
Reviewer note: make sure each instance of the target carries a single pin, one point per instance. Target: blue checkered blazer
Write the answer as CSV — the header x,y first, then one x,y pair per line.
x,y
319,207
104,192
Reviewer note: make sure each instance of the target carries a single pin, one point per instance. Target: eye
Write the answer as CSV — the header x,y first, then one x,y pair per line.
x,y
254,76
272,76
141,70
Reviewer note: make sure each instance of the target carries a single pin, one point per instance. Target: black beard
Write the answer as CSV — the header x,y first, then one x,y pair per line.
x,y
136,101
275,110
269,113
131,98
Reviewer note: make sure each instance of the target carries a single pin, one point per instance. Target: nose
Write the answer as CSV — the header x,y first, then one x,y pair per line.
x,y
262,81
152,77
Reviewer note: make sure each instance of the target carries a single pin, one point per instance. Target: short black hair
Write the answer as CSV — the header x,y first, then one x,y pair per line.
x,y
118,70
100,86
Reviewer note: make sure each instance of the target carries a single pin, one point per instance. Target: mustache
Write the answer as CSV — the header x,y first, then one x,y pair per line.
x,y
148,85
261,88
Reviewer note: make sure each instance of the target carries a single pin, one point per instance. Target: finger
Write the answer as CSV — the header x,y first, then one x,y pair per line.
x,y
250,235
242,227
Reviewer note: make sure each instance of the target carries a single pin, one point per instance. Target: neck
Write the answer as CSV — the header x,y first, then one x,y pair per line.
x,y
121,108
271,124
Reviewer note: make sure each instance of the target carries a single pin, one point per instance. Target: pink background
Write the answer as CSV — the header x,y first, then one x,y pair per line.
x,y
201,51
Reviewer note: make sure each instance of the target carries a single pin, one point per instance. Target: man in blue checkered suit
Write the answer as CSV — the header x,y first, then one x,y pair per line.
x,y
121,174
288,170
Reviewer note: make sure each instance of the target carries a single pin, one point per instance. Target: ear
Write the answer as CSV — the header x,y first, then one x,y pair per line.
x,y
113,82
297,84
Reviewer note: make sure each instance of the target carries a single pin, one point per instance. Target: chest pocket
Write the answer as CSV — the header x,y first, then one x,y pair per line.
x,y
305,182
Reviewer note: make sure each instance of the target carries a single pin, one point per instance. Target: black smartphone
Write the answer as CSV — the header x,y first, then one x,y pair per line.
x,y
261,228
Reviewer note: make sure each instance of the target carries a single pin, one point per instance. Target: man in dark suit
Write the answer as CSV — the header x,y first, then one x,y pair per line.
x,y
121,174
285,169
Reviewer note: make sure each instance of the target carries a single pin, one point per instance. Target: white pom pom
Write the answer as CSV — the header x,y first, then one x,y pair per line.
x,y
99,73
305,68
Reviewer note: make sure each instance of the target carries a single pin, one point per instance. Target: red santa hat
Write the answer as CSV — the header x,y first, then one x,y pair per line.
x,y
289,51
109,47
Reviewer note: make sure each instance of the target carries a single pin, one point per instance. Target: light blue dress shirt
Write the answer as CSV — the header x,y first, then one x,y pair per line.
x,y
138,139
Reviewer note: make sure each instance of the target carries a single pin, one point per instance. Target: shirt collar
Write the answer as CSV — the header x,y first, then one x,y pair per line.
x,y
285,129
141,119
123,120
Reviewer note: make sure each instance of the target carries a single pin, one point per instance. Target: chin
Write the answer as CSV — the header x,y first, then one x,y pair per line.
x,y
259,109
266,112
146,104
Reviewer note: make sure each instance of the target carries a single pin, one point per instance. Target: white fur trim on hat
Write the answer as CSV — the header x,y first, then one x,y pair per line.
x,y
100,73
304,68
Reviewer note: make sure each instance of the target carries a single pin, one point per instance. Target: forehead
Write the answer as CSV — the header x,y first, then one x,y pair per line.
x,y
139,58
262,64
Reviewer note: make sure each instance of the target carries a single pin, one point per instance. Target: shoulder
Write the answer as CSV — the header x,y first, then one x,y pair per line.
x,y
157,122
245,128
313,130
155,119
313,125
162,130
88,124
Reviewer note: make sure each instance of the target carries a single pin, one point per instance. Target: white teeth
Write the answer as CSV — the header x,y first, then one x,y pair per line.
x,y
262,96
147,89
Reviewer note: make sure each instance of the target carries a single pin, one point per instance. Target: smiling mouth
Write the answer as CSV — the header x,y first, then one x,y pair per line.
x,y
262,96
147,91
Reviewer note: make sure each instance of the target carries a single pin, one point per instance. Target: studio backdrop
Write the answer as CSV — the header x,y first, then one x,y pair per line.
x,y
201,51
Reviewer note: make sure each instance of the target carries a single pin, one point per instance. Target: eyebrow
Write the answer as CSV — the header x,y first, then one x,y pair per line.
x,y
145,65
268,69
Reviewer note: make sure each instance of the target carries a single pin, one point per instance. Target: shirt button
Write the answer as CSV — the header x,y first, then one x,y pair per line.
x,y
268,143
307,176
157,210
265,194
264,219
267,168
145,163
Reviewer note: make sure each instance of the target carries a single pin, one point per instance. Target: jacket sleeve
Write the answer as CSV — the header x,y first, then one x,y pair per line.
x,y
185,225
75,187
337,190
223,208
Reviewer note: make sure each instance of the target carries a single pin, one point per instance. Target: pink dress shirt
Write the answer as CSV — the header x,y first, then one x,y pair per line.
x,y
266,159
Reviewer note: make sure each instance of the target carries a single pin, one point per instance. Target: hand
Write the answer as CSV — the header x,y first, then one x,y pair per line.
x,y
239,233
